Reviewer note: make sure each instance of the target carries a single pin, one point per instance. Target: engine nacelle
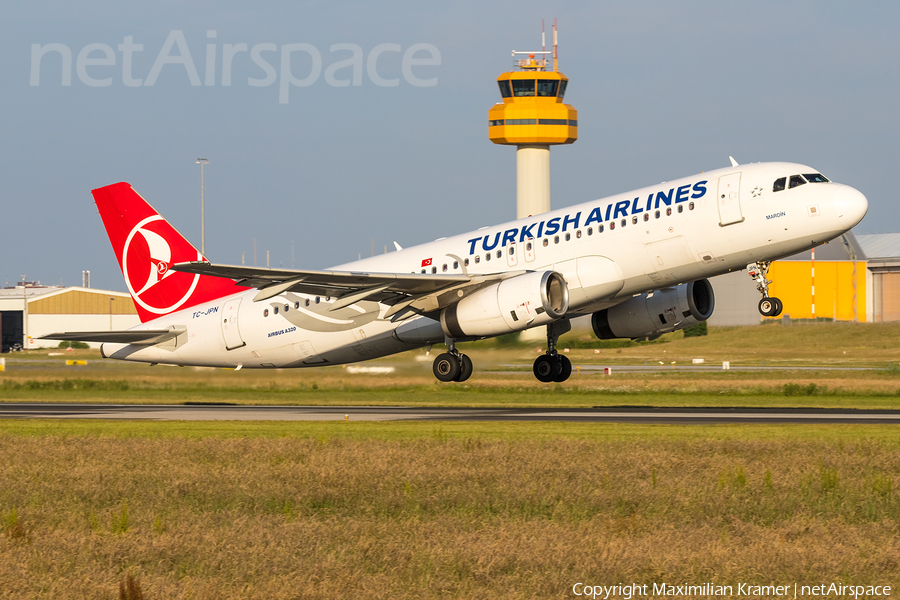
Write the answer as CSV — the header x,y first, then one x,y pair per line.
x,y
511,305
661,311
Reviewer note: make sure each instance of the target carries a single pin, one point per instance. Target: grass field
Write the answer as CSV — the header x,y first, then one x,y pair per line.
x,y
198,510
431,510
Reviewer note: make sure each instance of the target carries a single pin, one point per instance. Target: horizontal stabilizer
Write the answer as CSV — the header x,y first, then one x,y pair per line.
x,y
142,337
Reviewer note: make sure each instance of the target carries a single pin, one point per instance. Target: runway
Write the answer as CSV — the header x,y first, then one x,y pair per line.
x,y
621,414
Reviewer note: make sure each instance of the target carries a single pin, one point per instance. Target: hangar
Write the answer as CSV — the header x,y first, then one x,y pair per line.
x,y
30,310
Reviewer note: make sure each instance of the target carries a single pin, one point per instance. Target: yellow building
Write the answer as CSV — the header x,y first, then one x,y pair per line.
x,y
832,289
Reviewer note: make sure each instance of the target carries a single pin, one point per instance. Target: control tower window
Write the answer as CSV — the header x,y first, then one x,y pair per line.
x,y
562,88
505,90
547,87
796,181
815,178
523,87
779,184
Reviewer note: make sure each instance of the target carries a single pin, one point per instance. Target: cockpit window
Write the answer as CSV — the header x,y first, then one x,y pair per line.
x,y
796,180
523,87
779,184
815,178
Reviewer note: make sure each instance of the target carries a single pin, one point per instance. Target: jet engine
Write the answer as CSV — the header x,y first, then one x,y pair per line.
x,y
510,305
657,312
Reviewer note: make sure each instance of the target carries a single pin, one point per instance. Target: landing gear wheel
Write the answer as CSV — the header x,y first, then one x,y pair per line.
x,y
446,367
547,368
565,368
770,307
465,368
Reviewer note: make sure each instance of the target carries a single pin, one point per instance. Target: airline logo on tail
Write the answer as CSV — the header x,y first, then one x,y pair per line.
x,y
146,246
146,249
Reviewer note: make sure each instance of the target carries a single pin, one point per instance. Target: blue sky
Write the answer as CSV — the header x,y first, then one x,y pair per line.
x,y
663,90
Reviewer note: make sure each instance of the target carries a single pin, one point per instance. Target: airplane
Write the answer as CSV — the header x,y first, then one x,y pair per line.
x,y
639,263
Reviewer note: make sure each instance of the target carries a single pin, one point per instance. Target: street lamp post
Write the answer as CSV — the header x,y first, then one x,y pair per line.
x,y
202,162
111,300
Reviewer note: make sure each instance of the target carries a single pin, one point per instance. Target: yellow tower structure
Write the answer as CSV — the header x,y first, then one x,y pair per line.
x,y
532,117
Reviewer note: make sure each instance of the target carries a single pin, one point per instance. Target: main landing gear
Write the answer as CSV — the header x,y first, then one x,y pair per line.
x,y
553,367
452,365
769,306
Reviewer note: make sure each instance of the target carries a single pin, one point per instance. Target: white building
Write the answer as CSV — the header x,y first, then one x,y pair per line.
x,y
30,310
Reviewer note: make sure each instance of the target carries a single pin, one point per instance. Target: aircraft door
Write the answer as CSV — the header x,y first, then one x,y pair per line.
x,y
512,258
230,329
729,199
529,250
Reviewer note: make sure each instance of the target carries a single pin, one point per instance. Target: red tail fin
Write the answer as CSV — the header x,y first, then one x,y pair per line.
x,y
146,246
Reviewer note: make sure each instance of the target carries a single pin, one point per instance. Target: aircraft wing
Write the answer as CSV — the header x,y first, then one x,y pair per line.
x,y
132,336
420,292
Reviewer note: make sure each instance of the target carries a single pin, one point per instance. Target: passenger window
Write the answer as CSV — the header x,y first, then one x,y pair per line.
x,y
433,270
656,215
477,259
646,217
455,265
612,225
669,212
466,262
546,242
444,268
307,301
286,308
275,309
634,220
624,222
568,237
815,178
590,231
512,250
578,234
528,246
600,228
423,271
499,253
266,312
690,206
487,256
681,208
296,305
796,181
317,299
556,239
779,184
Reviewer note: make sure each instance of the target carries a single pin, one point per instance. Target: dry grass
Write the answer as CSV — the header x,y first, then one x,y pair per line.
x,y
432,515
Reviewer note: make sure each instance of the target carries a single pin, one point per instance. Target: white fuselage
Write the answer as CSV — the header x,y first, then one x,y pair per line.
x,y
608,250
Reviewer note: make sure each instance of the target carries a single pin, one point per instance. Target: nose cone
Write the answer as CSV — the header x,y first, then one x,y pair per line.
x,y
850,205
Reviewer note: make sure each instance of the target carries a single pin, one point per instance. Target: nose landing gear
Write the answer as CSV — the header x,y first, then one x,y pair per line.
x,y
452,365
769,306
552,366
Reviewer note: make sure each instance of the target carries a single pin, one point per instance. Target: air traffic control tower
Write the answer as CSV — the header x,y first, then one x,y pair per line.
x,y
532,117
